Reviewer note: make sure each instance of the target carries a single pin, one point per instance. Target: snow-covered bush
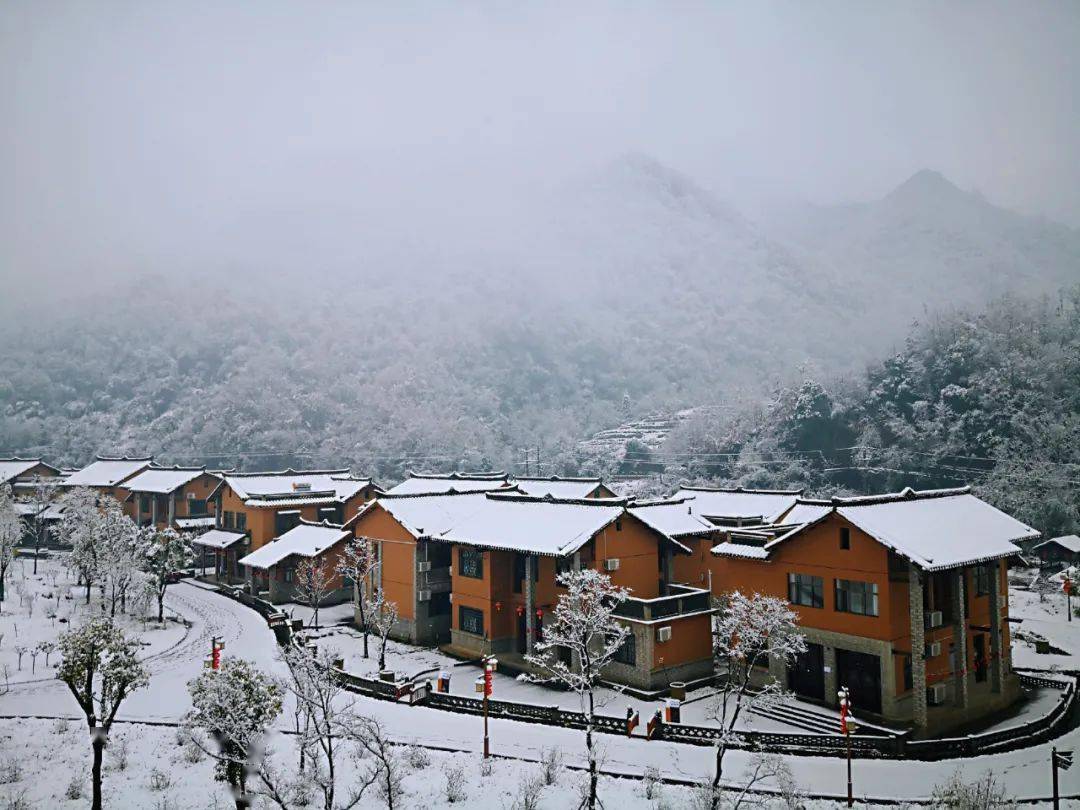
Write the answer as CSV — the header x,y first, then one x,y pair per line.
x,y
529,788
417,757
455,782
551,764
159,780
651,782
986,793
10,771
119,751
74,788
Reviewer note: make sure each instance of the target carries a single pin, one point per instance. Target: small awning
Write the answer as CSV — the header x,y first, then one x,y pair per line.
x,y
218,538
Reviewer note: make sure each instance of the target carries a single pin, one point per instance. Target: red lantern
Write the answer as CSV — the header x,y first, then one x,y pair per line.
x,y
498,607
539,613
520,610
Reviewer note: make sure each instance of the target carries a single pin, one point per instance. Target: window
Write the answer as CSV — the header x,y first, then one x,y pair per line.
x,y
471,563
144,503
845,538
241,521
909,678
618,524
196,506
471,620
283,521
857,597
983,579
627,652
806,590
227,520
563,565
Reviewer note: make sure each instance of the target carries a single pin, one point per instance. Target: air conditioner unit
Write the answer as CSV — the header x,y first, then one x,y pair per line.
x,y
423,566
933,649
424,596
935,695
611,564
663,633
934,618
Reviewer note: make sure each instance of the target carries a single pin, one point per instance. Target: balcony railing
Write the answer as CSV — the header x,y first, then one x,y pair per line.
x,y
681,601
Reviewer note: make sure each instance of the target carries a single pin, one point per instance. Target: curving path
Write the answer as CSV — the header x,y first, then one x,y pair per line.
x,y
1025,772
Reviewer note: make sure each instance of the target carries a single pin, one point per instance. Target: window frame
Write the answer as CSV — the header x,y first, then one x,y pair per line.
x,y
627,652
463,611
868,592
797,583
475,555
845,538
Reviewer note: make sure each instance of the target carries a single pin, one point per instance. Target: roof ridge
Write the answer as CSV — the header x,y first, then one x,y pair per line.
x,y
321,524
549,498
743,490
586,479
175,468
400,496
490,475
123,458
17,458
906,494
289,471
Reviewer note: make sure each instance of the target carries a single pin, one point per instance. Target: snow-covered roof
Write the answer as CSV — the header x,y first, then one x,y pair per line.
x,y
429,513
558,487
304,540
935,529
163,480
437,484
107,472
721,503
805,513
545,527
218,538
306,487
1069,542
740,550
675,518
196,522
12,468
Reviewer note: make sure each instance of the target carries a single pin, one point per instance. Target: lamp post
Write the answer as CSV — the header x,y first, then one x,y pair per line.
x,y
490,663
846,727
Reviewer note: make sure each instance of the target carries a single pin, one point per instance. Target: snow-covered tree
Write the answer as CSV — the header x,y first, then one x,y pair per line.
x,y
43,494
100,666
382,615
313,579
79,529
984,793
384,771
10,533
117,546
583,622
235,705
329,721
161,555
748,632
358,562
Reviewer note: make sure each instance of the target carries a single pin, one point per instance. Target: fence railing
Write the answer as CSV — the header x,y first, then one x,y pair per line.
x,y
1033,732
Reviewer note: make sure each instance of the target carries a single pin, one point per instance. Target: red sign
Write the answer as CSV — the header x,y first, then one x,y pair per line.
x,y
1067,585
487,683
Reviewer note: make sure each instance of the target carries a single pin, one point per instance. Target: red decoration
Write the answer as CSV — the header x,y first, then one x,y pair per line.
x,y
539,613
520,610
498,607
487,683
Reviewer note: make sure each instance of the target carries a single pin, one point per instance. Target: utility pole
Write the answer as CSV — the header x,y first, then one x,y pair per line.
x,y
1063,760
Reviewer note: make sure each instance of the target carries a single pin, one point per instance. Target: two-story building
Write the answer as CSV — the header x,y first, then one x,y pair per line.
x,y
15,471
903,599
176,497
477,573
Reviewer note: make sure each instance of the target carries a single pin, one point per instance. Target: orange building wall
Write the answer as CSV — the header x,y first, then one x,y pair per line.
x,y
637,547
691,640
397,552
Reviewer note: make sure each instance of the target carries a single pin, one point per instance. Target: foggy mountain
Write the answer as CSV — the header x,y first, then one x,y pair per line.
x,y
929,241
365,337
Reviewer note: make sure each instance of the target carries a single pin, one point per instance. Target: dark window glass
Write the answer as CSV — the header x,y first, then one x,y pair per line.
x,y
144,503
806,590
241,521
439,604
627,653
909,679
471,620
471,563
283,521
563,565
196,506
982,575
857,597
845,537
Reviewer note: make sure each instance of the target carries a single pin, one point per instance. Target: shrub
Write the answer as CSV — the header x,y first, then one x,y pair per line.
x,y
10,771
74,788
550,765
418,758
455,782
119,750
159,780
530,786
651,781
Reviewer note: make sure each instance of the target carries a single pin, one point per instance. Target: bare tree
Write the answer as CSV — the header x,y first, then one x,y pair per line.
x,y
358,563
382,616
43,493
748,632
984,793
330,719
10,534
235,705
100,666
583,623
384,771
162,555
118,540
313,579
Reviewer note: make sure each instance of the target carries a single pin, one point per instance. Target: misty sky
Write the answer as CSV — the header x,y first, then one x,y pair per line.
x,y
136,133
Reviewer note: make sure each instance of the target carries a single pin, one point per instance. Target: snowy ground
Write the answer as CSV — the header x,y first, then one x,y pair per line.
x,y
39,607
1025,772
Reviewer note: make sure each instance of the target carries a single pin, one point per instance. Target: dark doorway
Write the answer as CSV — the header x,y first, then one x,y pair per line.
x,y
980,657
861,674
806,675
521,632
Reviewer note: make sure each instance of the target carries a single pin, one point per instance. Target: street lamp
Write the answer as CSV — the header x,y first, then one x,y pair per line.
x,y
847,725
490,665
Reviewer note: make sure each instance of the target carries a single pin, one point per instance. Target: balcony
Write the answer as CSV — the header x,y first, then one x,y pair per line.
x,y
681,600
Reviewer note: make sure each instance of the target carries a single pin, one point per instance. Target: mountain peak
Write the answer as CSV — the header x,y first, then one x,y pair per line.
x,y
925,185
